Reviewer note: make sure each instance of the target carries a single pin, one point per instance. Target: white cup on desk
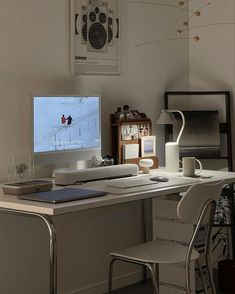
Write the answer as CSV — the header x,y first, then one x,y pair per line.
x,y
189,166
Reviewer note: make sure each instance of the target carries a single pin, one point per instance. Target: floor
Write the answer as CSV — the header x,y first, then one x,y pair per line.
x,y
141,288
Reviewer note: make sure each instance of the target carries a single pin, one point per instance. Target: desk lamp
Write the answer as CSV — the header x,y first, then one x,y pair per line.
x,y
171,148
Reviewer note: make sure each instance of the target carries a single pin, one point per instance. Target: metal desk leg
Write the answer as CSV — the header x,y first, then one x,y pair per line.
x,y
52,237
144,232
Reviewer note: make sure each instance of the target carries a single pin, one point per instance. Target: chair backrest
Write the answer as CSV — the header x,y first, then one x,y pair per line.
x,y
197,196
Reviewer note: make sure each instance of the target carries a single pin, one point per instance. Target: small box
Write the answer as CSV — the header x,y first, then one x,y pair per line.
x,y
27,187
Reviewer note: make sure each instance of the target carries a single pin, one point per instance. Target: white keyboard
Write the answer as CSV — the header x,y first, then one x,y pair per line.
x,y
130,182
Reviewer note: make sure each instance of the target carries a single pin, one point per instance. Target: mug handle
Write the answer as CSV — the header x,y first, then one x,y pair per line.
x,y
200,167
180,164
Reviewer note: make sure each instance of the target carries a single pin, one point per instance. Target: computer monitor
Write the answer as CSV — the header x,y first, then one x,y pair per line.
x,y
66,129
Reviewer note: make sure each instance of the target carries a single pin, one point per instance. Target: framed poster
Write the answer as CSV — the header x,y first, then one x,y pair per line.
x,y
148,146
94,37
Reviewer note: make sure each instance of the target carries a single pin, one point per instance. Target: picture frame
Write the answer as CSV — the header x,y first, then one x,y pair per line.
x,y
144,130
129,132
95,50
148,146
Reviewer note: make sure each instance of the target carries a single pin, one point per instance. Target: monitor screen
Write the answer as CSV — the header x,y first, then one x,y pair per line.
x,y
66,123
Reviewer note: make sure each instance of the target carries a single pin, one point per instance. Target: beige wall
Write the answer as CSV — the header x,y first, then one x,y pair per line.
x,y
34,58
212,58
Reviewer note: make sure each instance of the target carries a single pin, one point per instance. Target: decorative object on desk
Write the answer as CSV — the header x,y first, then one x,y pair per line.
x,y
137,160
118,113
102,161
129,132
146,163
21,168
148,146
171,148
137,115
128,114
189,166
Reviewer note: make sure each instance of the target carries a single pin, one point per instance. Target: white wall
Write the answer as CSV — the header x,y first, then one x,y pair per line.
x,y
212,58
34,58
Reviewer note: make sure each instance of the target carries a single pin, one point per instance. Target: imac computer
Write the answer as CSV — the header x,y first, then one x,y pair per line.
x,y
66,129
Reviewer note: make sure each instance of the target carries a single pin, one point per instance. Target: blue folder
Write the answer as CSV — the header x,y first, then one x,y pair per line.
x,y
62,195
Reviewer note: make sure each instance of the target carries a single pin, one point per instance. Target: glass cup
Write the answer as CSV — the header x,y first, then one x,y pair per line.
x,y
21,168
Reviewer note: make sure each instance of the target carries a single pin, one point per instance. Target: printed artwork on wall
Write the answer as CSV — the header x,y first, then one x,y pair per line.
x,y
94,37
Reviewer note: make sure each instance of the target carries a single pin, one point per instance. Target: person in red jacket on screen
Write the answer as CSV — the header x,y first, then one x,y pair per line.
x,y
63,119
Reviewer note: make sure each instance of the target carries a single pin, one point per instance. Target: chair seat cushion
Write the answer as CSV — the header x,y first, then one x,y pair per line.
x,y
159,251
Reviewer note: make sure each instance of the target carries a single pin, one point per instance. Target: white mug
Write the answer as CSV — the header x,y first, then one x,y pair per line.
x,y
189,166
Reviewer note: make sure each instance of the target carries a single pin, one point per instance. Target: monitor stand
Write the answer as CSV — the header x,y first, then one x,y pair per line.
x,y
81,164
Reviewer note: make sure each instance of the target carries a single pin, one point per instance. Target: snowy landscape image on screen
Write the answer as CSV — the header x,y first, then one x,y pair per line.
x,y
66,123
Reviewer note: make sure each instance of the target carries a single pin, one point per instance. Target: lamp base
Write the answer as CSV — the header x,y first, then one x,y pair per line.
x,y
172,157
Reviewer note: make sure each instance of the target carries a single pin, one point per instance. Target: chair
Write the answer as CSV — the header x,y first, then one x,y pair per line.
x,y
197,207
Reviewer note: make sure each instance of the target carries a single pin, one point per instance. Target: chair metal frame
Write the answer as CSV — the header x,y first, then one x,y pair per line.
x,y
153,267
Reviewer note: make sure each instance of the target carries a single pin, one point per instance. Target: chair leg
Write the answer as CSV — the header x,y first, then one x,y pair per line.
x,y
156,273
110,275
201,274
153,278
187,277
211,280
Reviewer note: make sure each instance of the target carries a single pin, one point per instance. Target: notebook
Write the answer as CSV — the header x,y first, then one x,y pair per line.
x,y
130,151
62,195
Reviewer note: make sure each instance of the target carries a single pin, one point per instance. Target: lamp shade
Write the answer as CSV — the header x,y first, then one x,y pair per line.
x,y
166,118
171,148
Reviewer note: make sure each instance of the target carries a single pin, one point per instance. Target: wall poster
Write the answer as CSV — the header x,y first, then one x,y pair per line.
x,y
94,37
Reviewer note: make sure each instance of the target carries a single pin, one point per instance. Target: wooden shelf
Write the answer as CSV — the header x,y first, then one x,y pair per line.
x,y
117,140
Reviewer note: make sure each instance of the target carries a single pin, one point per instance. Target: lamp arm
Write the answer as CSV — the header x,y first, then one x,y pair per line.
x,y
182,127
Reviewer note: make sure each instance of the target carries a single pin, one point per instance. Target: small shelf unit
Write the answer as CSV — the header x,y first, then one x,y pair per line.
x,y
117,141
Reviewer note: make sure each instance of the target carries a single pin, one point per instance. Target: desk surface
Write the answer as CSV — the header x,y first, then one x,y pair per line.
x,y
176,184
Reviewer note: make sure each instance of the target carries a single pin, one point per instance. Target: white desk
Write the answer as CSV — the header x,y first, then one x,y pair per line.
x,y
11,205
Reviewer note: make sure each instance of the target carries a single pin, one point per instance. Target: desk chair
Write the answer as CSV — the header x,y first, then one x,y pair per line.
x,y
197,207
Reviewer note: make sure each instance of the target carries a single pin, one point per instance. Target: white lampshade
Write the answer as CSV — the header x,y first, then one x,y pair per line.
x,y
171,148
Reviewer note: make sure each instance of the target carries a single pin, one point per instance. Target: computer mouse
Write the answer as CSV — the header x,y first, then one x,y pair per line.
x,y
159,179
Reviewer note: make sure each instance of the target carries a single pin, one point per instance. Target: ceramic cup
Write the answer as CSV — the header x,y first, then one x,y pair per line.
x,y
189,166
